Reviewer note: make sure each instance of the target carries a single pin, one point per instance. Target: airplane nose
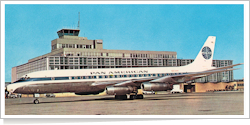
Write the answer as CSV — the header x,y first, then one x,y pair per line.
x,y
8,88
6,92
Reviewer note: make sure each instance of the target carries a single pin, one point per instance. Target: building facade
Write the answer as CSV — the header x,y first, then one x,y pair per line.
x,y
70,51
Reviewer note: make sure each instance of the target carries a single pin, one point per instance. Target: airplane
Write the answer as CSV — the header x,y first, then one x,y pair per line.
x,y
118,81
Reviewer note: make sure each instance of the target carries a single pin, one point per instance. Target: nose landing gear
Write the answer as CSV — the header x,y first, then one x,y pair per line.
x,y
36,101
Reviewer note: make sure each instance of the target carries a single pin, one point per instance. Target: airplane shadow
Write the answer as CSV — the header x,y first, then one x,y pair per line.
x,y
82,100
109,99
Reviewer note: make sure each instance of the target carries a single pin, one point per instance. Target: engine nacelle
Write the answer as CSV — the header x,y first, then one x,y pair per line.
x,y
112,90
156,87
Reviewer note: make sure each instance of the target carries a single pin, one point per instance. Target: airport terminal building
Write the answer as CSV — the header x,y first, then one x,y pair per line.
x,y
70,51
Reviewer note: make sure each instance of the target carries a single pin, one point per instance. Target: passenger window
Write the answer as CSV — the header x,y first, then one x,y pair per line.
x,y
130,75
100,77
149,75
106,76
61,78
125,75
94,77
140,75
111,76
115,76
154,74
145,75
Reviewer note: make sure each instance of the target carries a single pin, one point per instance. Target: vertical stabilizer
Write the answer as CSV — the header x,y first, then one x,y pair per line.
x,y
204,59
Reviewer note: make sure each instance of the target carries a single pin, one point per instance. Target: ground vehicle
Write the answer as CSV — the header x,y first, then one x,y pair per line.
x,y
19,95
176,89
12,96
50,95
15,95
148,92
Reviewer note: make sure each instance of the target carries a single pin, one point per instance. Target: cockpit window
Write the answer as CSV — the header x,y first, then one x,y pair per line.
x,y
22,79
32,79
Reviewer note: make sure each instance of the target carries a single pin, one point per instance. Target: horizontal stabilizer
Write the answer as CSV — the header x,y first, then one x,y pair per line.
x,y
226,67
188,77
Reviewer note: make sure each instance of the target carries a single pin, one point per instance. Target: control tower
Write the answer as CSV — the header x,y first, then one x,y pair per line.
x,y
68,32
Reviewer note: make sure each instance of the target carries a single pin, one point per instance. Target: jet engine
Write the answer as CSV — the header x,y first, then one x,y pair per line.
x,y
156,87
113,90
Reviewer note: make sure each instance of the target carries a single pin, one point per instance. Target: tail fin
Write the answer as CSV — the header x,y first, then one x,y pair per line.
x,y
204,59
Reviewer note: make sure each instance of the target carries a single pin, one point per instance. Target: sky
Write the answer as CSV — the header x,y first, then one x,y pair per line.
x,y
30,28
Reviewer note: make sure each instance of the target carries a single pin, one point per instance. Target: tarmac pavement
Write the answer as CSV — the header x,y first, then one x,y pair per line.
x,y
217,103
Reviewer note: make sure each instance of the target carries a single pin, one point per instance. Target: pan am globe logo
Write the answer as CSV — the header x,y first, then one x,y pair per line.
x,y
206,52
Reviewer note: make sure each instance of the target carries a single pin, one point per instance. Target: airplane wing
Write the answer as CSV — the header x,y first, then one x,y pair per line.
x,y
173,79
132,82
101,84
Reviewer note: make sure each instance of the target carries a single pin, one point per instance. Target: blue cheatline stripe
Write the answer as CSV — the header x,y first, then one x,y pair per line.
x,y
98,76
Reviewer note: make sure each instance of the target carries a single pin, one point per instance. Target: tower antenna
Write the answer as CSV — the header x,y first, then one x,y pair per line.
x,y
78,27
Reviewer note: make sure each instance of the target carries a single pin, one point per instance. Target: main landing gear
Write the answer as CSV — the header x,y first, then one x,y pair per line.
x,y
131,97
122,97
139,97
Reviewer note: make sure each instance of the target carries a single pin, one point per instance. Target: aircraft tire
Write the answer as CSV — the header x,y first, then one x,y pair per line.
x,y
36,101
121,97
139,96
132,97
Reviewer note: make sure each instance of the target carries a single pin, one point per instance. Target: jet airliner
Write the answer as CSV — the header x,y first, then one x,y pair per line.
x,y
118,81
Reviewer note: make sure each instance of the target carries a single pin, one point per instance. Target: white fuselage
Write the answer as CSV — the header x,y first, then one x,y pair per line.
x,y
86,77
